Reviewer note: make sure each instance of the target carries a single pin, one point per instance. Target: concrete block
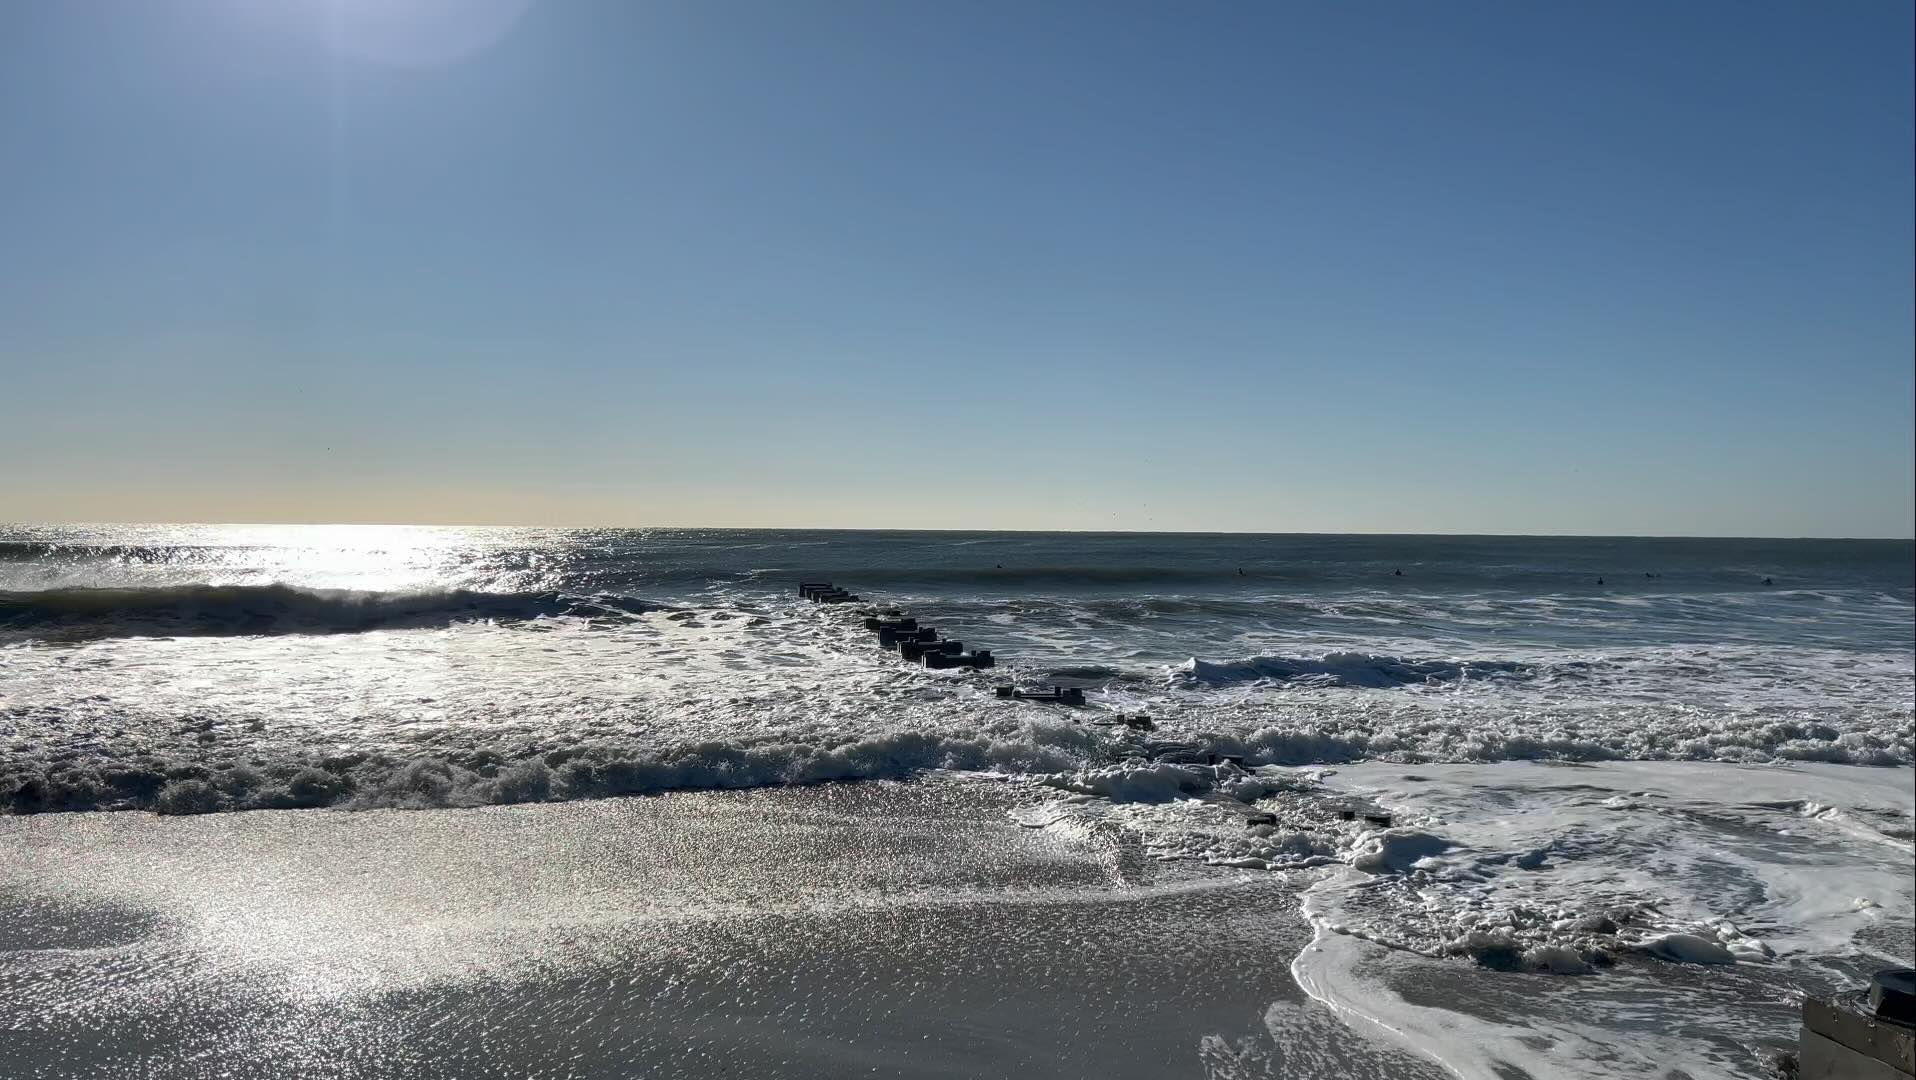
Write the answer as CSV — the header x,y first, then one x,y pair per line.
x,y
1843,1039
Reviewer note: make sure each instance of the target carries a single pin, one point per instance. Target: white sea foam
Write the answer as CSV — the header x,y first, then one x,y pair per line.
x,y
1339,669
536,697
1549,870
1686,949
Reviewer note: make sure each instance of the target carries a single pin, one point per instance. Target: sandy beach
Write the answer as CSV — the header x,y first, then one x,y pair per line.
x,y
876,929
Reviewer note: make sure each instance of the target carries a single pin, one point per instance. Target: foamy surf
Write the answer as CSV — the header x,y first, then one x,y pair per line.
x,y
457,699
1619,874
1314,730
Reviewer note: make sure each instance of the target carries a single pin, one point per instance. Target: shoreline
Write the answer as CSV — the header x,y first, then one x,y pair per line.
x,y
690,932
905,929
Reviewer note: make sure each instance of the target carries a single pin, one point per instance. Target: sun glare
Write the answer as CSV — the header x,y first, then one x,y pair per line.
x,y
420,33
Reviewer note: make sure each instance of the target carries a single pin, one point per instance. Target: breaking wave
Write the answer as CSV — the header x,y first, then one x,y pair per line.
x,y
517,774
1353,669
1084,672
273,609
241,770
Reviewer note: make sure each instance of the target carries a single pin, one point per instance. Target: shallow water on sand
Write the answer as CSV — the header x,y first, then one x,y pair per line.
x,y
893,930
960,926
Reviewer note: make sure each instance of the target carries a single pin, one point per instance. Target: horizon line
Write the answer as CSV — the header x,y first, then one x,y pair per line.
x,y
1008,532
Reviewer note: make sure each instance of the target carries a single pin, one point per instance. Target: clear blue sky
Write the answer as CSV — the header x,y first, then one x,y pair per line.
x,y
1624,267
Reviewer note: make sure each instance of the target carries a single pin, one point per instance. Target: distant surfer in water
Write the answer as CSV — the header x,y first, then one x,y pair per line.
x,y
1397,573
1767,581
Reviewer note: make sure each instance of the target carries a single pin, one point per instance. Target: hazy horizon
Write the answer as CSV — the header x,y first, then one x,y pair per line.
x,y
1484,269
574,526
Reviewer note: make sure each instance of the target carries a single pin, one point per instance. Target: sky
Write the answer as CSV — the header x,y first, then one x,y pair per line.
x,y
1480,267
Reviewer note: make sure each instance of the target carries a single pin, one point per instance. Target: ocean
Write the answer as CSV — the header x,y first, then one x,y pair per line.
x,y
1493,806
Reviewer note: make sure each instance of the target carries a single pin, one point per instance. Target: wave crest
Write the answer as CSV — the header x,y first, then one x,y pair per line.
x,y
273,609
505,774
1354,669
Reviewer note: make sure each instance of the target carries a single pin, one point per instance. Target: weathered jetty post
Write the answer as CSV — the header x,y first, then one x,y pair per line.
x,y
824,592
1861,1034
901,632
921,644
915,650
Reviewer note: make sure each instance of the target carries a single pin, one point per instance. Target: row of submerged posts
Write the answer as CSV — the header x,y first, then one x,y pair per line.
x,y
902,634
921,644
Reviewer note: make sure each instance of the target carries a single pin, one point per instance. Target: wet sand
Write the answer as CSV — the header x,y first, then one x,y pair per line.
x,y
878,929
